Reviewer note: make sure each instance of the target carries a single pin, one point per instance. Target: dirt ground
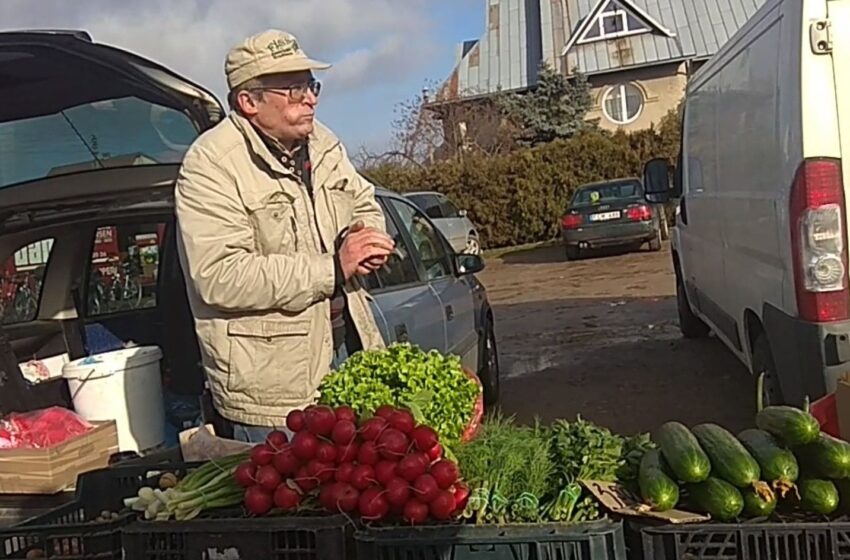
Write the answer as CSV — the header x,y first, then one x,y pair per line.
x,y
599,337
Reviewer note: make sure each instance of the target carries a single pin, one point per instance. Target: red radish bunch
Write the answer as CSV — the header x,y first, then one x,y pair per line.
x,y
386,466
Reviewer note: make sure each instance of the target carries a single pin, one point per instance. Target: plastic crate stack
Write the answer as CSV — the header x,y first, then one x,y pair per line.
x,y
73,532
748,541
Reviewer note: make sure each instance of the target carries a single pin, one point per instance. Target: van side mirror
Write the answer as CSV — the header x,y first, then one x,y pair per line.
x,y
656,181
469,264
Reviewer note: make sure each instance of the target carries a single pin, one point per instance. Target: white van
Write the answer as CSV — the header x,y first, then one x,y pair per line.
x,y
760,246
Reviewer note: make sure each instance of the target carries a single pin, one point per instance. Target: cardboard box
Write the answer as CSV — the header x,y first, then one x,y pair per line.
x,y
54,469
842,405
620,501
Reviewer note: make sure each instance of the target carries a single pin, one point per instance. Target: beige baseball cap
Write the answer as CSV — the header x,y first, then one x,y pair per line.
x,y
270,52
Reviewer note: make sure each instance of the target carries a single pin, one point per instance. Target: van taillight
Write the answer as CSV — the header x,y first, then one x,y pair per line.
x,y
818,225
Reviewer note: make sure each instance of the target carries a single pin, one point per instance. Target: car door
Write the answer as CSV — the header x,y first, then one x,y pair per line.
x,y
404,305
454,293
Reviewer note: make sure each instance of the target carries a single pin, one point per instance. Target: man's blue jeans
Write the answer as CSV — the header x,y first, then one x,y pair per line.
x,y
257,434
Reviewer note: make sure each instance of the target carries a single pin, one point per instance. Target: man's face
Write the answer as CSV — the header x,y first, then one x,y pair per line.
x,y
286,108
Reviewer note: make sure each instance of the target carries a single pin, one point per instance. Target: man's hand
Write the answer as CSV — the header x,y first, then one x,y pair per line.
x,y
364,250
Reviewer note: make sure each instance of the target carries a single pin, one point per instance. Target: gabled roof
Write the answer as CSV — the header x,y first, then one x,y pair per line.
x,y
519,34
700,27
633,12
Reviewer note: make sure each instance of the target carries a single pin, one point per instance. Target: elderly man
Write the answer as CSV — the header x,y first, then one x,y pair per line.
x,y
275,226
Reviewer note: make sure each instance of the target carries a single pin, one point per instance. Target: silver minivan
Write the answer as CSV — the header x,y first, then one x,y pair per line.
x,y
91,140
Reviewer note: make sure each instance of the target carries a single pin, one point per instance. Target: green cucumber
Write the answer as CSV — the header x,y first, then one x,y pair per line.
x,y
730,460
656,487
791,425
756,505
687,460
818,495
778,465
717,498
826,457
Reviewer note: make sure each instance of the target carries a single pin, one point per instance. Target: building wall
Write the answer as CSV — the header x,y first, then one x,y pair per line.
x,y
661,87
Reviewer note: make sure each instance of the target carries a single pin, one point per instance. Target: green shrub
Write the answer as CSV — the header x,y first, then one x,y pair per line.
x,y
520,197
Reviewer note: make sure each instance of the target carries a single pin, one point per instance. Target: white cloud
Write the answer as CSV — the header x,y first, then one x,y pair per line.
x,y
370,42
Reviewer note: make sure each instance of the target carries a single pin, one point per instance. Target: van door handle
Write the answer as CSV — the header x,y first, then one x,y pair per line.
x,y
450,313
401,333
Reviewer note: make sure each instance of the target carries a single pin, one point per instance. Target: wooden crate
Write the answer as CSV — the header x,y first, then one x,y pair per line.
x,y
54,469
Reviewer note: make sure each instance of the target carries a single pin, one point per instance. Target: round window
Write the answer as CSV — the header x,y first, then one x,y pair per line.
x,y
622,103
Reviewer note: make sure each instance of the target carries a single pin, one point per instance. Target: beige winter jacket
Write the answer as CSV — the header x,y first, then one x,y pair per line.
x,y
259,286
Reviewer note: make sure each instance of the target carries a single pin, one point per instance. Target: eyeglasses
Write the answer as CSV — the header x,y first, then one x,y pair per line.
x,y
296,92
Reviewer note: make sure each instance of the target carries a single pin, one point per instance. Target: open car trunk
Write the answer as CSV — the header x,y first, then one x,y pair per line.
x,y
91,139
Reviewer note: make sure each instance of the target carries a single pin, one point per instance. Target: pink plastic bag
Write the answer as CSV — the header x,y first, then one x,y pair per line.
x,y
41,428
477,412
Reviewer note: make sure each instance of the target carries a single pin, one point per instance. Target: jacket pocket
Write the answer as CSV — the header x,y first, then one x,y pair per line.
x,y
273,220
343,205
269,360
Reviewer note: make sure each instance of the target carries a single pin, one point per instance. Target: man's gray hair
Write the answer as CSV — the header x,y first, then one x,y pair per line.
x,y
248,86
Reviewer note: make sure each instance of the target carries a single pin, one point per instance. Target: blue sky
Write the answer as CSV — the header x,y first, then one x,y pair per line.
x,y
383,51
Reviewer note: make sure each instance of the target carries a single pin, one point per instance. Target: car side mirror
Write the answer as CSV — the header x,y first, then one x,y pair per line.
x,y
469,264
462,213
656,181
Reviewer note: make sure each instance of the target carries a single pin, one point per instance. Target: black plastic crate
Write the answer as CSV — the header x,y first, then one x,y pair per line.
x,y
748,541
72,531
599,540
265,538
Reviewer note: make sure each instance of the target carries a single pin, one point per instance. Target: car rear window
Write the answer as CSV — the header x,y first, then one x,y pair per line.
x,y
428,203
613,191
114,133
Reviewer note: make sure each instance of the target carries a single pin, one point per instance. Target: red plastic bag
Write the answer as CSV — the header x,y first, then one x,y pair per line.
x,y
41,428
825,411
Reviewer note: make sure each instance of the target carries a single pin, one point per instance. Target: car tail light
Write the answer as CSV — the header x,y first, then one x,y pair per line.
x,y
572,221
818,224
640,213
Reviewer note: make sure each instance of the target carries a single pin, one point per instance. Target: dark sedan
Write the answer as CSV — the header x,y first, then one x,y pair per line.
x,y
611,213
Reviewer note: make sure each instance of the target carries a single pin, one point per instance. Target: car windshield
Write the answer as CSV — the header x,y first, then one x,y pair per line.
x,y
114,133
606,192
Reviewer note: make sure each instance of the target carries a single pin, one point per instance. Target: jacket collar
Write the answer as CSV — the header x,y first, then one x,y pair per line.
x,y
321,142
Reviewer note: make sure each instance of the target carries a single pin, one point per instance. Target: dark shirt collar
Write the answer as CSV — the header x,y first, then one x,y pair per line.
x,y
291,160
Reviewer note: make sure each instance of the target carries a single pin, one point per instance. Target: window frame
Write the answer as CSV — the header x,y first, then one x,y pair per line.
x,y
40,295
84,312
621,89
383,288
441,239
613,9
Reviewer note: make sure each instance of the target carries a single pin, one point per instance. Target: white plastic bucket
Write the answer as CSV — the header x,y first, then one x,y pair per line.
x,y
125,386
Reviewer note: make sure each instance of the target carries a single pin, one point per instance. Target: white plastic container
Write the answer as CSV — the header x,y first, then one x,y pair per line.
x,y
125,386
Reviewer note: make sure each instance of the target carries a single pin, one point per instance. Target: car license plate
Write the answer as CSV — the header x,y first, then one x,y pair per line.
x,y
604,216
